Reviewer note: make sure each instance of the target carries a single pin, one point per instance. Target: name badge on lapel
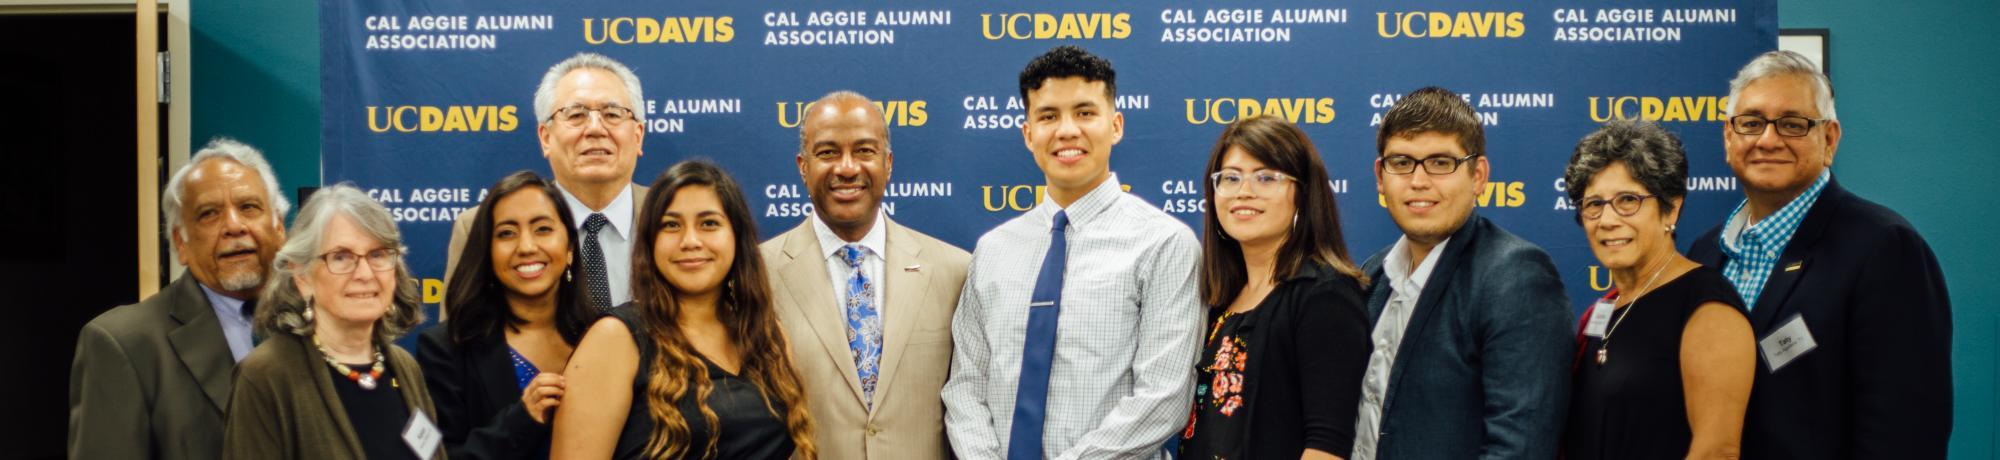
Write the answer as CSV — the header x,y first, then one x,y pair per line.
x,y
422,436
1787,343
1600,317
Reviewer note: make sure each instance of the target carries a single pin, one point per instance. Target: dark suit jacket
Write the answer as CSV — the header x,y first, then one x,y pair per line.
x,y
478,400
285,405
1879,383
151,380
1483,370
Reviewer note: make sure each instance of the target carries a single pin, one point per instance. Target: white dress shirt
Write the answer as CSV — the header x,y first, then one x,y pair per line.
x,y
1405,287
235,326
1129,331
874,245
615,239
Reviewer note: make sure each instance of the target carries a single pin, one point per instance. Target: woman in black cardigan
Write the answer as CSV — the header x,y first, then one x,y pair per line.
x,y
514,315
1287,343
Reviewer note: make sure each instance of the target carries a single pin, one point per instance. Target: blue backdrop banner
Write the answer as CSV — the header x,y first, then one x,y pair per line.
x,y
429,101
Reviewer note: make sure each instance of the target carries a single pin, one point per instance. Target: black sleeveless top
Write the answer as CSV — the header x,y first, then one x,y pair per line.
x,y
1633,406
749,430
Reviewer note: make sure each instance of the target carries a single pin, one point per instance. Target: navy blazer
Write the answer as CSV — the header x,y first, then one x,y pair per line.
x,y
478,400
1878,384
1484,367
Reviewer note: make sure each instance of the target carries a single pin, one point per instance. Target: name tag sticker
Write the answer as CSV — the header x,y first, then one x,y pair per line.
x,y
422,436
1600,317
1787,343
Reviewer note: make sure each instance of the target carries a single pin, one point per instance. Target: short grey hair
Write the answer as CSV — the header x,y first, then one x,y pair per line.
x,y
545,94
281,308
837,95
1775,63
1654,157
223,148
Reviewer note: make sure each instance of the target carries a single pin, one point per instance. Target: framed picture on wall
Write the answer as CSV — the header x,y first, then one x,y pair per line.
x,y
1813,43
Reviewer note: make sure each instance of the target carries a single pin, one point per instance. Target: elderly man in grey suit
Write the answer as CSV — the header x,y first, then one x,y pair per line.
x,y
151,380
866,302
592,122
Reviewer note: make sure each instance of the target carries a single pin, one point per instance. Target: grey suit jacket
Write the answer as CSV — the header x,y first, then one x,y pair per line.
x,y
464,225
924,276
151,380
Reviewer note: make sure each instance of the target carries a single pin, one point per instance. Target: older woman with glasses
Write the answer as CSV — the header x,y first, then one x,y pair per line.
x,y
1280,374
328,381
1667,356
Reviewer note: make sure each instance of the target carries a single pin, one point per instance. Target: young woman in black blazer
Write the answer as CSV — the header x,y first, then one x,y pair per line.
x,y
514,313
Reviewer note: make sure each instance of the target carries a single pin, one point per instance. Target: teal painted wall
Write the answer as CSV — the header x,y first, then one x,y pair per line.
x,y
1915,82
256,78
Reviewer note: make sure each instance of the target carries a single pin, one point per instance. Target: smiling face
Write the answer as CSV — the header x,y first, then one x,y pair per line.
x,y
845,161
695,247
1430,207
1071,128
530,244
228,232
1772,164
594,154
354,299
1623,242
1251,215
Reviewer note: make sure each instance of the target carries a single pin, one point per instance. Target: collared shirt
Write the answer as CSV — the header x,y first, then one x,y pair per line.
x,y
1405,287
1129,329
874,245
235,322
615,239
1753,248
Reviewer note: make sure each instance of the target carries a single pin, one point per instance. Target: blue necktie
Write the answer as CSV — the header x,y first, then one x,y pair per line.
x,y
1024,442
864,323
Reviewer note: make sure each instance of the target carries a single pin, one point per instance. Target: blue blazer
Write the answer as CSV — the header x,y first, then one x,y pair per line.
x,y
1484,367
1878,385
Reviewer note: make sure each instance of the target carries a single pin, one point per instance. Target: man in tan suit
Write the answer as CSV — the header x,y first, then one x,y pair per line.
x,y
592,122
151,380
867,303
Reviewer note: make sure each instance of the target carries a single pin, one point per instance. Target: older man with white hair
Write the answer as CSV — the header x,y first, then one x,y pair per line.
x,y
591,114
151,380
1849,307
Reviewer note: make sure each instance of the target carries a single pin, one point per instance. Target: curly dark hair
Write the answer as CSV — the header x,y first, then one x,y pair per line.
x,y
1068,61
1654,157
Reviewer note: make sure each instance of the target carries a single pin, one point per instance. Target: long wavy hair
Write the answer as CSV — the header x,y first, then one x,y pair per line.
x,y
745,310
1315,236
477,304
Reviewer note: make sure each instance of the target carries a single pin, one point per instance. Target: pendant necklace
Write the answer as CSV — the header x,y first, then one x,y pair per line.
x,y
1603,347
367,380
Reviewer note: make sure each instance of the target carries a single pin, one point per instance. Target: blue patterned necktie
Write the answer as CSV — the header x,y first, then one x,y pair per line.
x,y
594,275
1024,441
864,323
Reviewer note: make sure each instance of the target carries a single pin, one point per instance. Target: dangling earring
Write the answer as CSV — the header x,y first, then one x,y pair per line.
x,y
729,287
309,309
566,275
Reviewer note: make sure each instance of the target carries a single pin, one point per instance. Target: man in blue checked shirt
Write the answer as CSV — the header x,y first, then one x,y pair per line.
x,y
1849,306
1077,331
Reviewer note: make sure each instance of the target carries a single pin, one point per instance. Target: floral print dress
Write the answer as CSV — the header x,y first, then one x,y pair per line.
x,y
1215,427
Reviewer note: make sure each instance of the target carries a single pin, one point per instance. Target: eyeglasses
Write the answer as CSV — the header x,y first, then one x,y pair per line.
x,y
1626,204
1232,182
1753,125
1436,166
343,261
576,116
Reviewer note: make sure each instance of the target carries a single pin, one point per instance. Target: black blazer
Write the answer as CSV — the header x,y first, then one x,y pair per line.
x,y
1483,370
1879,383
478,402
1307,355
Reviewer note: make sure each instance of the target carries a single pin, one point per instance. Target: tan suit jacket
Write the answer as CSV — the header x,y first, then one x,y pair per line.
x,y
464,225
151,380
924,276
285,405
